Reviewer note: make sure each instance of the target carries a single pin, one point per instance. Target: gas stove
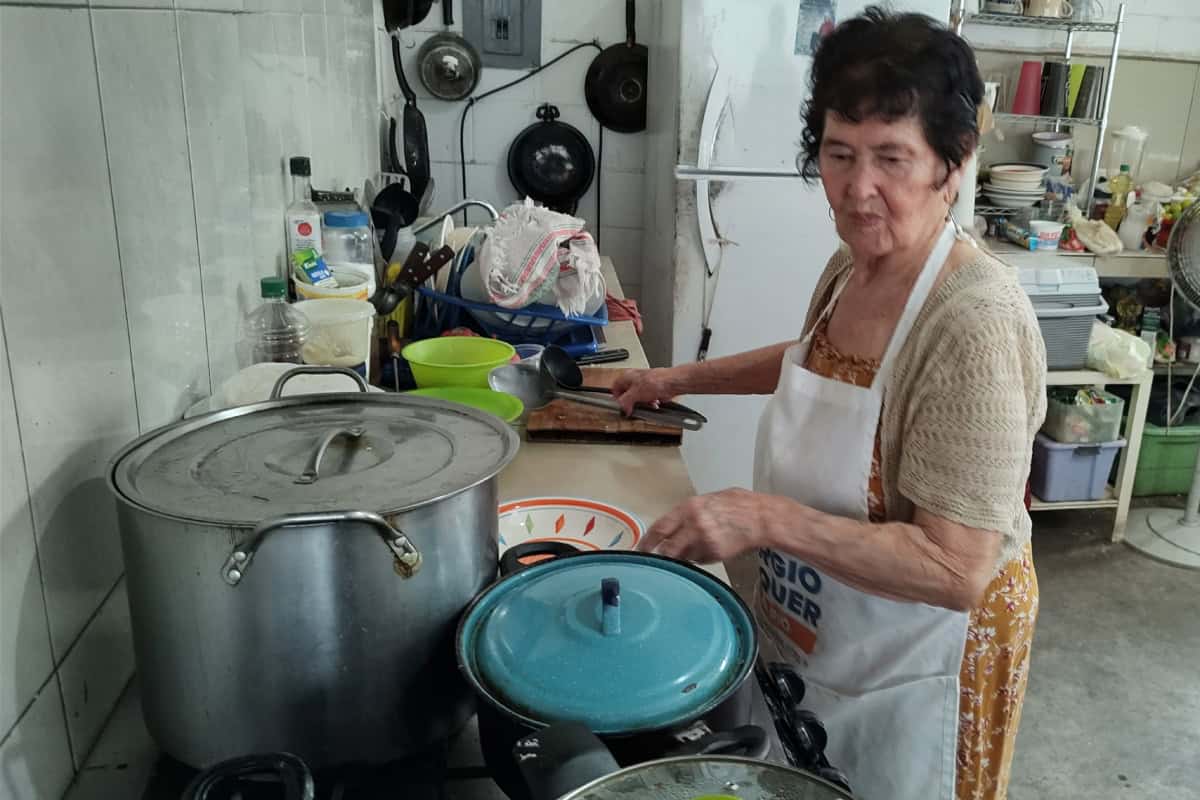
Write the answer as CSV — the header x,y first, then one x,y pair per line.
x,y
452,772
429,776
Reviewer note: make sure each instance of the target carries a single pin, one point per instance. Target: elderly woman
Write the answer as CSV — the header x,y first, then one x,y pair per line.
x,y
888,503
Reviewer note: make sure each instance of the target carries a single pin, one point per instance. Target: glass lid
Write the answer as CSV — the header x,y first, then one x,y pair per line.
x,y
709,778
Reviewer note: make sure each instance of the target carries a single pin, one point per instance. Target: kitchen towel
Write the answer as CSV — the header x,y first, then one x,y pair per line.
x,y
537,255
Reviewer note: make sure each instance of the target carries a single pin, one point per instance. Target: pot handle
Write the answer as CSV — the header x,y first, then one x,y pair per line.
x,y
560,758
313,470
511,562
314,370
407,557
748,741
293,774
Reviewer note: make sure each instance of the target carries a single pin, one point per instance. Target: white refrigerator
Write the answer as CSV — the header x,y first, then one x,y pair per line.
x,y
728,82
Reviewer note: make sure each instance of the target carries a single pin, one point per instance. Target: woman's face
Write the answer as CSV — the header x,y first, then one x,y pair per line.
x,y
887,187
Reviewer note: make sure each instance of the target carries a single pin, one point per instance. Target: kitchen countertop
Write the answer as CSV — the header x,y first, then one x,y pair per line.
x,y
646,480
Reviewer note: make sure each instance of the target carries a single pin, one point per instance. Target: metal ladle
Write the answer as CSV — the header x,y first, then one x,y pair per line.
x,y
536,388
567,374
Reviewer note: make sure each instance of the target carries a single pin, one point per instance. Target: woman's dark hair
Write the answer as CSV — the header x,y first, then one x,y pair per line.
x,y
890,66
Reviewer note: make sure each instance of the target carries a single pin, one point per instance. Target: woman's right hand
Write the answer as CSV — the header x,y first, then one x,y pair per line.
x,y
649,386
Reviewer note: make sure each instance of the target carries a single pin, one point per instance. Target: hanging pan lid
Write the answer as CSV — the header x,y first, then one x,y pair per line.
x,y
551,162
312,453
448,67
619,641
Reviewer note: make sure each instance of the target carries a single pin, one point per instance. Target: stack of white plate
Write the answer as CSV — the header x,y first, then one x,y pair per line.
x,y
1015,184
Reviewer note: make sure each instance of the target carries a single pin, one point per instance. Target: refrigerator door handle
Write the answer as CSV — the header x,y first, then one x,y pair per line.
x,y
710,123
686,172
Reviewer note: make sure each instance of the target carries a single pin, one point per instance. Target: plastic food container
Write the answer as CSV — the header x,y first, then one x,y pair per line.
x,y
346,238
1072,423
456,360
354,283
1048,233
340,334
1066,472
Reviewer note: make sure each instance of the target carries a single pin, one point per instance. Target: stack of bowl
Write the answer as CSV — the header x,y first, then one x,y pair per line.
x,y
1015,184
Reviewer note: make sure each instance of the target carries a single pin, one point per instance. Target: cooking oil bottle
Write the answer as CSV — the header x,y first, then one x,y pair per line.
x,y
1119,188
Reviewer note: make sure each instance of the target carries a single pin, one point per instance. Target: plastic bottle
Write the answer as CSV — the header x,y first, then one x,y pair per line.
x,y
275,331
303,216
1119,187
1138,219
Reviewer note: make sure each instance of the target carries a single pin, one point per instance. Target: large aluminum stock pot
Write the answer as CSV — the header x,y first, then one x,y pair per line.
x,y
296,570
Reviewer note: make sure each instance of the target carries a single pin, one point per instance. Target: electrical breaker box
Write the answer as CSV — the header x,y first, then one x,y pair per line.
x,y
507,33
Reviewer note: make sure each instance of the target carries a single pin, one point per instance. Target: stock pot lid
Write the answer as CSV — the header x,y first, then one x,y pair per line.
x,y
383,453
619,641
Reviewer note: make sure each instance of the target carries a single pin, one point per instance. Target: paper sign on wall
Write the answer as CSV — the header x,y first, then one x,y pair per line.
x,y
814,21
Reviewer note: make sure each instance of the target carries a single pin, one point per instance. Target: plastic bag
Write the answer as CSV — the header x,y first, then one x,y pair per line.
x,y
1116,353
1095,235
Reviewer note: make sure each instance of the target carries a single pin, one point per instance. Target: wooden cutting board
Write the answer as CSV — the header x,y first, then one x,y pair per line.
x,y
564,421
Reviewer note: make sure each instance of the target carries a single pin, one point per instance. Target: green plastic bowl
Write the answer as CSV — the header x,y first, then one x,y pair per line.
x,y
504,406
456,360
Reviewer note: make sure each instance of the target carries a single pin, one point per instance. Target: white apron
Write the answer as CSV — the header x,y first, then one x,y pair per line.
x,y
882,675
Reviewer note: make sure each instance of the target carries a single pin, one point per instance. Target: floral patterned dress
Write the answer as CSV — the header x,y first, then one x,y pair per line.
x,y
995,668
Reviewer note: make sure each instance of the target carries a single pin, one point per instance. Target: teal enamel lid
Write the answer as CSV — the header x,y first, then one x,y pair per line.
x,y
619,641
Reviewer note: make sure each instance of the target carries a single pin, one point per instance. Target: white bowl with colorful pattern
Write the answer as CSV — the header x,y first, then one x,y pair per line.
x,y
586,524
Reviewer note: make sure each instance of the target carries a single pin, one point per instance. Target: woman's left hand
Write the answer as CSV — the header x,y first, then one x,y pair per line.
x,y
709,528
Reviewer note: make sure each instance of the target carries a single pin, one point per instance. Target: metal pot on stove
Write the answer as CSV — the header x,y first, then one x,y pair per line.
x,y
296,570
568,762
647,652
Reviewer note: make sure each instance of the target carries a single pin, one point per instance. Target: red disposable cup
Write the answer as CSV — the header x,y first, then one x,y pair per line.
x,y
1028,98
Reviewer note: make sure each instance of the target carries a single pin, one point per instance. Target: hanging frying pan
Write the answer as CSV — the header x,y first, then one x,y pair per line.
x,y
615,86
416,138
552,162
447,63
399,14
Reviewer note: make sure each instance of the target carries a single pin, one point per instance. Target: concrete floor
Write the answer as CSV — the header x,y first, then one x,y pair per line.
x,y
1113,707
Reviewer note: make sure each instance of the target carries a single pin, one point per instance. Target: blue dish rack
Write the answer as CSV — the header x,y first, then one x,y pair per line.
x,y
441,311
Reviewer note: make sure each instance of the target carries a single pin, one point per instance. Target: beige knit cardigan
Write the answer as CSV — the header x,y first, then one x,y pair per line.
x,y
964,400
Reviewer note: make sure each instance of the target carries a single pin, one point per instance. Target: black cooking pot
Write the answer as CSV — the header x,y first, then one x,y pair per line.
x,y
647,652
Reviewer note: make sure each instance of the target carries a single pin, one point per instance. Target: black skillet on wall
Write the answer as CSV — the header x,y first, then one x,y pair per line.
x,y
399,14
615,87
552,162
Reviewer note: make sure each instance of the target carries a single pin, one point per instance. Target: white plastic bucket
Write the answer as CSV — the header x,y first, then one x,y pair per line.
x,y
340,335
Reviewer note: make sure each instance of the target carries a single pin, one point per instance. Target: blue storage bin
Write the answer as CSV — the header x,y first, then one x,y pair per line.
x,y
1065,472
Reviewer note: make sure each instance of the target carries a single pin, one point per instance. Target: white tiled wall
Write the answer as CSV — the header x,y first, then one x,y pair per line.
x,y
492,125
143,146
